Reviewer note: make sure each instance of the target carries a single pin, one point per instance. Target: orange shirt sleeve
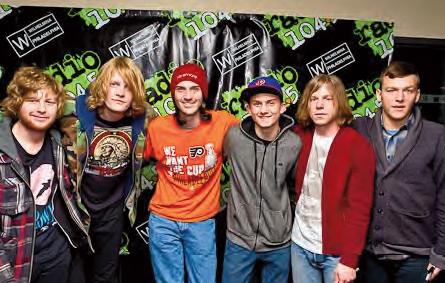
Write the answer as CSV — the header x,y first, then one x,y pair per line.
x,y
233,120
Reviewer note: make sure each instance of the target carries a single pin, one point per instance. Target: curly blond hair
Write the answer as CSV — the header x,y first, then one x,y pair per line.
x,y
28,80
132,76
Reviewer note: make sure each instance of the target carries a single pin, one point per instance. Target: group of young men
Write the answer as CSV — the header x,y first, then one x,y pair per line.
x,y
369,193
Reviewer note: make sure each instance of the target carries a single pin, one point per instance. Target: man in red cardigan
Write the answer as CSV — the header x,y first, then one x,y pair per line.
x,y
334,187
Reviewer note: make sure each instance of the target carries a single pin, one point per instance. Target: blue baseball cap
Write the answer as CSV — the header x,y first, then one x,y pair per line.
x,y
262,85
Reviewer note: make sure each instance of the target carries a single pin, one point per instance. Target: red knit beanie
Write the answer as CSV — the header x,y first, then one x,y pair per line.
x,y
190,72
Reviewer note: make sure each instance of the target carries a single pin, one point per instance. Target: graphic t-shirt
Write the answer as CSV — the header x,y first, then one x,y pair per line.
x,y
189,166
108,161
42,175
49,242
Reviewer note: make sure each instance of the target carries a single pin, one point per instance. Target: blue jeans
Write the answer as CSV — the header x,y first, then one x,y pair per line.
x,y
173,244
239,264
309,267
412,270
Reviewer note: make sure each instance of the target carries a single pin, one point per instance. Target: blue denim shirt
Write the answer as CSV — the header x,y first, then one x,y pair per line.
x,y
393,138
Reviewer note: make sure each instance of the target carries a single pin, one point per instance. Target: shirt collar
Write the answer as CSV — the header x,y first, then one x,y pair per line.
x,y
409,122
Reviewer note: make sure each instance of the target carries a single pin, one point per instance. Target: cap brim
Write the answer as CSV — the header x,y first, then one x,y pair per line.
x,y
247,93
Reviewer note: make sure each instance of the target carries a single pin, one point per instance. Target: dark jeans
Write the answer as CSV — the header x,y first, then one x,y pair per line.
x,y
52,262
106,232
412,270
58,271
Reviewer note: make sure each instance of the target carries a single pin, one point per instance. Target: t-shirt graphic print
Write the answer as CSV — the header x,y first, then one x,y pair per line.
x,y
110,151
193,169
189,164
42,180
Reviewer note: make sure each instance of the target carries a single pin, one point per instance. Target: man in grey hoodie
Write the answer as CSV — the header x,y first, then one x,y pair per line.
x,y
262,152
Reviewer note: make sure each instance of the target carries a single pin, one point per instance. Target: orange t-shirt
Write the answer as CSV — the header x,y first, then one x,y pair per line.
x,y
189,166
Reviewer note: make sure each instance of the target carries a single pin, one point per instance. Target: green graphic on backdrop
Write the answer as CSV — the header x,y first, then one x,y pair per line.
x,y
362,98
75,73
196,24
5,10
377,35
287,76
157,88
96,17
225,183
231,102
149,177
294,31
2,72
125,241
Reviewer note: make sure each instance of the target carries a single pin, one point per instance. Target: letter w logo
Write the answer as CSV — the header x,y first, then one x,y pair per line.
x,y
121,49
223,60
316,67
20,42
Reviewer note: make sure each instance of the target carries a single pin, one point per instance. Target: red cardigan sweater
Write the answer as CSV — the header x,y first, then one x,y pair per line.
x,y
347,191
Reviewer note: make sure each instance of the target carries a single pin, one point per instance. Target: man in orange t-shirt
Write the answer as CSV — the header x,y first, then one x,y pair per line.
x,y
188,149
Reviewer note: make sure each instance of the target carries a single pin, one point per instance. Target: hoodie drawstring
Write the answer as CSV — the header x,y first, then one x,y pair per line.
x,y
256,161
276,165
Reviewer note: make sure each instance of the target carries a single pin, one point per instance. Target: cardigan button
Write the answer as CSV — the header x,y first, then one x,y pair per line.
x,y
377,227
381,193
380,211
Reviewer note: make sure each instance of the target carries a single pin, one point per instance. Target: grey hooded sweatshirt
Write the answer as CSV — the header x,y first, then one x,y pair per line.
x,y
259,215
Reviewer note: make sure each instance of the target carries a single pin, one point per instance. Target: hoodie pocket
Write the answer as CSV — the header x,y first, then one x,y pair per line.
x,y
13,197
245,220
276,226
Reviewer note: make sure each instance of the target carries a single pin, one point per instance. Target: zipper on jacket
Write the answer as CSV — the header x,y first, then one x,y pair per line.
x,y
57,153
73,215
132,172
261,197
33,232
78,182
76,220
57,221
